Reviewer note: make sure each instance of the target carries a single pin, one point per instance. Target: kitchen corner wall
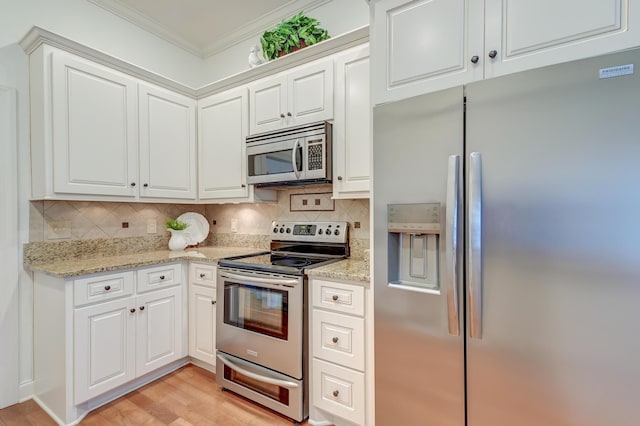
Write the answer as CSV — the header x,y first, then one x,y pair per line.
x,y
91,220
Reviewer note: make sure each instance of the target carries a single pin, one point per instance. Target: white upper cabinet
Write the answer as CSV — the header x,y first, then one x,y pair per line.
x,y
422,46
352,125
94,122
100,134
167,143
299,96
222,130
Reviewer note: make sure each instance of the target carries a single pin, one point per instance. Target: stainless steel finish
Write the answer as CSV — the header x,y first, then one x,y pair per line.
x,y
294,161
493,54
280,355
474,254
264,280
451,244
475,59
284,383
419,366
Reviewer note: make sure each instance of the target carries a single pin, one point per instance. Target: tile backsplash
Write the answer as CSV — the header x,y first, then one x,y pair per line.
x,y
84,220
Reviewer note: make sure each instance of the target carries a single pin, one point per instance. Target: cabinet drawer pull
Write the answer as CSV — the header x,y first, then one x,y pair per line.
x,y
107,287
334,340
202,275
334,297
142,308
475,59
162,277
493,54
132,310
289,114
213,302
339,177
281,115
336,393
146,185
133,184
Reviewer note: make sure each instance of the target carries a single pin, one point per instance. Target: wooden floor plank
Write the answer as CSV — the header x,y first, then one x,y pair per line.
x,y
187,397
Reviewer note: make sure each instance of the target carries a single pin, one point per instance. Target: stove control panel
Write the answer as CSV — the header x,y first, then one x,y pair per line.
x,y
335,232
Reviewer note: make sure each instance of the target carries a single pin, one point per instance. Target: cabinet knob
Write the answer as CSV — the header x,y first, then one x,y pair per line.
x,y
202,275
288,114
146,185
162,277
493,54
133,184
132,310
334,340
334,297
213,302
281,115
335,393
243,186
107,287
475,59
142,308
339,177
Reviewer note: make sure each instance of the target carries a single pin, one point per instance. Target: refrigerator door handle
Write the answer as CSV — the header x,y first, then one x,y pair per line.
x,y
451,244
474,254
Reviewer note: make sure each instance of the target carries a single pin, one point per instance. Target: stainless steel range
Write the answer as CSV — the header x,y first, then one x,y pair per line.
x,y
262,316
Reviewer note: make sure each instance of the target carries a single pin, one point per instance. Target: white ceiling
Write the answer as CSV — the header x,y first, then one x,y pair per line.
x,y
205,27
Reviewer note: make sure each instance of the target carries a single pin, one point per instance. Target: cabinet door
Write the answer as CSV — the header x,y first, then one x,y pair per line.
x,y
531,34
95,124
202,323
352,125
104,356
222,127
159,329
268,103
310,94
421,46
167,144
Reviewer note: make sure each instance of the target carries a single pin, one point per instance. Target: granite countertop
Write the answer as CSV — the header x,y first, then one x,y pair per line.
x,y
348,270
75,267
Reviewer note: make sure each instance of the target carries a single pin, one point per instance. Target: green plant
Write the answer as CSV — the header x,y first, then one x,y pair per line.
x,y
175,224
290,35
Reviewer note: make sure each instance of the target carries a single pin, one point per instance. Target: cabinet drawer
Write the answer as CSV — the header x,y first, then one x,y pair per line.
x,y
98,288
202,274
338,297
159,277
338,338
339,391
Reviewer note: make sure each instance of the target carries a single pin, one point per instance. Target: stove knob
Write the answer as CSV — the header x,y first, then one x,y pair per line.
x,y
336,232
288,230
281,230
275,230
320,232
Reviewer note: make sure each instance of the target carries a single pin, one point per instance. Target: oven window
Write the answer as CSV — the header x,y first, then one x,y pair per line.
x,y
275,392
271,163
258,309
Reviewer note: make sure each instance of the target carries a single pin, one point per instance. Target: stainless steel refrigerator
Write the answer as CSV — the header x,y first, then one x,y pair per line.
x,y
507,250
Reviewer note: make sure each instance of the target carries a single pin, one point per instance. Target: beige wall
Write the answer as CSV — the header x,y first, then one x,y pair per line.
x,y
89,220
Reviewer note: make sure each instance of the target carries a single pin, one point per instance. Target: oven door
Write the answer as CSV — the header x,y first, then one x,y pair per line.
x,y
275,161
261,318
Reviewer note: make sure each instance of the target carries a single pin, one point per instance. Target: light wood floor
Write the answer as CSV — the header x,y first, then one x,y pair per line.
x,y
188,396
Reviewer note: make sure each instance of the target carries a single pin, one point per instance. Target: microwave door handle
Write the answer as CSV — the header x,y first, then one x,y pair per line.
x,y
294,161
258,377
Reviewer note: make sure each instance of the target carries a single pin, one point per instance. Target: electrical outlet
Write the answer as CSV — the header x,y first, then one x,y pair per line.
x,y
125,224
234,226
356,224
151,226
59,230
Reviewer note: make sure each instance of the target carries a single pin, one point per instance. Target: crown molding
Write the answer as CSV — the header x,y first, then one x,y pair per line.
x,y
38,36
250,29
142,21
259,25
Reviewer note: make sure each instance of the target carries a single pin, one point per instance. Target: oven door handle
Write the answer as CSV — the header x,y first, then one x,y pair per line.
x,y
264,379
294,160
273,281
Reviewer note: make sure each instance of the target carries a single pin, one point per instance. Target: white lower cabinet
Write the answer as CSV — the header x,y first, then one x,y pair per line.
x,y
202,313
340,335
99,336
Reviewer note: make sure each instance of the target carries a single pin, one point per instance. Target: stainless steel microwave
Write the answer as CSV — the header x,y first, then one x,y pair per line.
x,y
294,156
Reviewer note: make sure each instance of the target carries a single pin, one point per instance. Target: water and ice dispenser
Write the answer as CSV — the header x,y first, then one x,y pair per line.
x,y
414,238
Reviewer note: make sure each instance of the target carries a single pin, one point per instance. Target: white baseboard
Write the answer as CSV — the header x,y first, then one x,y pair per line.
x,y
25,392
